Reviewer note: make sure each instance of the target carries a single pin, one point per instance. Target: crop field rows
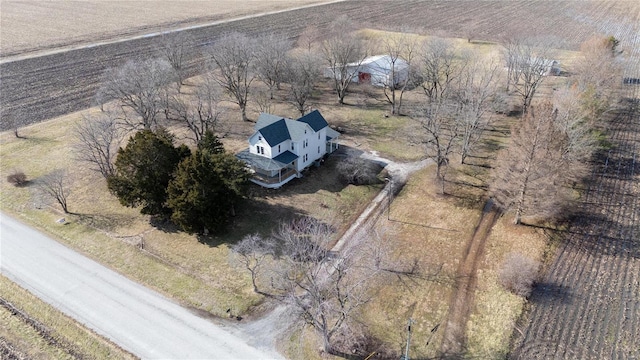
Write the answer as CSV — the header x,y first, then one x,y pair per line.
x,y
44,87
588,304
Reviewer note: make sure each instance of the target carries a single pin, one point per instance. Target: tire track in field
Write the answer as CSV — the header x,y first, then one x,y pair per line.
x,y
461,303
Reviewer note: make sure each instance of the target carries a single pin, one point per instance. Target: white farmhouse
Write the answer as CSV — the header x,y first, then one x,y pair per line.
x,y
376,70
281,148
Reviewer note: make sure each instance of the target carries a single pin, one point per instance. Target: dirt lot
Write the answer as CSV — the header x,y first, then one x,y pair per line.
x,y
32,25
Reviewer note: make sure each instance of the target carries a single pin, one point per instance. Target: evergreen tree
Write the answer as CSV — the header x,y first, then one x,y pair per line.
x,y
211,143
143,171
205,190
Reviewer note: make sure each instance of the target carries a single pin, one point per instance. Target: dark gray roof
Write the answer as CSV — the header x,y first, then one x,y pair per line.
x,y
266,119
286,157
315,120
260,162
276,132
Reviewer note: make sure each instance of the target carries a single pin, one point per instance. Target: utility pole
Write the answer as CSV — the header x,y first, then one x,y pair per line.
x,y
406,351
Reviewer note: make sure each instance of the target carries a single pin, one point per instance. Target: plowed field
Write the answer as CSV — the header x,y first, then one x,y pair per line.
x,y
48,86
588,305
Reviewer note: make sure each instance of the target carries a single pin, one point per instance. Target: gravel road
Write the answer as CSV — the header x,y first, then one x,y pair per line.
x,y
138,319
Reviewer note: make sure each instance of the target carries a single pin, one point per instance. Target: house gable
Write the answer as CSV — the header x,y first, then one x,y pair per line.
x,y
275,133
315,120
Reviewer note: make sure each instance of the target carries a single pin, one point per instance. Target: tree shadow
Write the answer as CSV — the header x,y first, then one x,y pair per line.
x,y
164,224
252,216
549,294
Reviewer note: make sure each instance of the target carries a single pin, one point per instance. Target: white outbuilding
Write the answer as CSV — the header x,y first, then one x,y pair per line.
x,y
378,70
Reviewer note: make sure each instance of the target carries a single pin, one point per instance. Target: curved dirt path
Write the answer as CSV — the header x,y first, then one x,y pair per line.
x,y
461,303
265,331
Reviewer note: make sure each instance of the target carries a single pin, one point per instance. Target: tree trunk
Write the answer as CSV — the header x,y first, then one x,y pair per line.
x,y
517,219
244,112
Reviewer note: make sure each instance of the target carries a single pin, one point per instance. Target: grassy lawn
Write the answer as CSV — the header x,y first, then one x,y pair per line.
x,y
194,271
64,337
432,229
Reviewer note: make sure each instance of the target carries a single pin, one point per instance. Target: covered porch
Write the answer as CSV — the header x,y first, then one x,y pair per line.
x,y
270,173
332,140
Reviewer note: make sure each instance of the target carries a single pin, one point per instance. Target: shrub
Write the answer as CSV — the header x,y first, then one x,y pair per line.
x,y
17,178
358,171
518,274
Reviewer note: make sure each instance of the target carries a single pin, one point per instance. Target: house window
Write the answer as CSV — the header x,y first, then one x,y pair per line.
x,y
278,148
318,136
318,149
291,146
262,150
259,138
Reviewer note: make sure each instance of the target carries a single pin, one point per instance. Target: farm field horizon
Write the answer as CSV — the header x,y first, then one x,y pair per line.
x,y
31,26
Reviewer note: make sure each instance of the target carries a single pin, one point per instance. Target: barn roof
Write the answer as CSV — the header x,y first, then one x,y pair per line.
x,y
382,63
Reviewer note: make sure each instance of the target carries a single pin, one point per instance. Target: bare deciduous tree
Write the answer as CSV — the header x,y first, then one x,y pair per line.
x,y
401,48
233,56
263,100
440,67
597,75
174,47
140,87
17,178
302,77
271,60
252,252
573,121
528,63
15,121
97,141
519,273
442,130
57,186
358,171
475,90
310,36
199,112
344,53
323,288
530,172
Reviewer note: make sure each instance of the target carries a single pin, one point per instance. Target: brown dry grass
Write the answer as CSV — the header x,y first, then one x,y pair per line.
x,y
32,25
195,272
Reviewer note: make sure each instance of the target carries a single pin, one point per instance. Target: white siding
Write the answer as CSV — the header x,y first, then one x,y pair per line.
x,y
257,142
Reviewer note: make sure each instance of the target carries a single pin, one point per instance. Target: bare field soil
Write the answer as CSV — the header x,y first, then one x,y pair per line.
x,y
45,87
33,25
588,304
